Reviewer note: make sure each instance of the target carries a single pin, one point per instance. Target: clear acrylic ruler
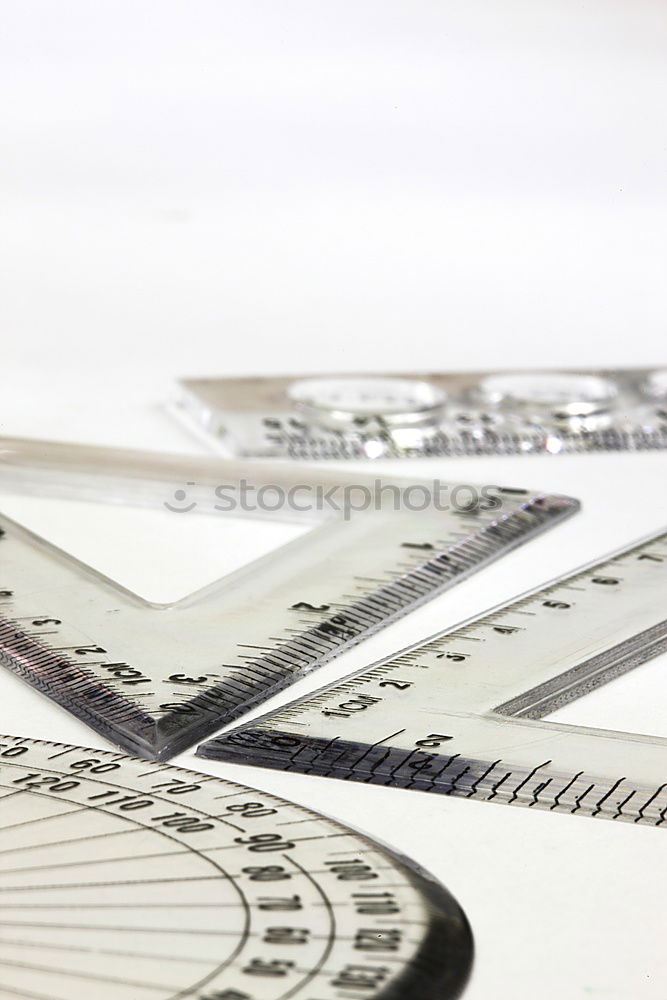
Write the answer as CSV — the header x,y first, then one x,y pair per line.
x,y
461,714
432,413
157,678
127,882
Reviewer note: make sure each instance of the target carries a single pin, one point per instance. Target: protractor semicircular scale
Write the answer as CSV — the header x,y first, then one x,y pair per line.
x,y
463,713
156,679
150,882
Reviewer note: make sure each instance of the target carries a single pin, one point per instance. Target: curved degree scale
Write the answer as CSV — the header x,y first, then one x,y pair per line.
x,y
135,880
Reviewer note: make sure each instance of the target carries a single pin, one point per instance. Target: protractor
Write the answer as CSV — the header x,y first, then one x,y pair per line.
x,y
125,880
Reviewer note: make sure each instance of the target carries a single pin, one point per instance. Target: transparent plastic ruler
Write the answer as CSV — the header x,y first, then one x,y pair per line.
x,y
156,678
463,713
431,413
124,882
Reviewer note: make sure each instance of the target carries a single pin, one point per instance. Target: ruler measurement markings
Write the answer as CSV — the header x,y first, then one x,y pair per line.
x,y
468,721
318,640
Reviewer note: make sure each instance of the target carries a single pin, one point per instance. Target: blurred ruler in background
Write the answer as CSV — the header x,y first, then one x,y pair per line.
x,y
417,415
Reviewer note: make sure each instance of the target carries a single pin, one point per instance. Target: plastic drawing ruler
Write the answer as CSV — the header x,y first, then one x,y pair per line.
x,y
132,882
463,713
430,413
157,678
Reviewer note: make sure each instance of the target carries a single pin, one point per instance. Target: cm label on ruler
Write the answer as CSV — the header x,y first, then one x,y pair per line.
x,y
462,713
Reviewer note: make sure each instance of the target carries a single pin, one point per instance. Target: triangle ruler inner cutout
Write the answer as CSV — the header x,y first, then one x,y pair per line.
x,y
156,678
463,713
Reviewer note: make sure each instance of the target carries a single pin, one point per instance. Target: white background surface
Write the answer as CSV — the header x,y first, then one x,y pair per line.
x,y
216,188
